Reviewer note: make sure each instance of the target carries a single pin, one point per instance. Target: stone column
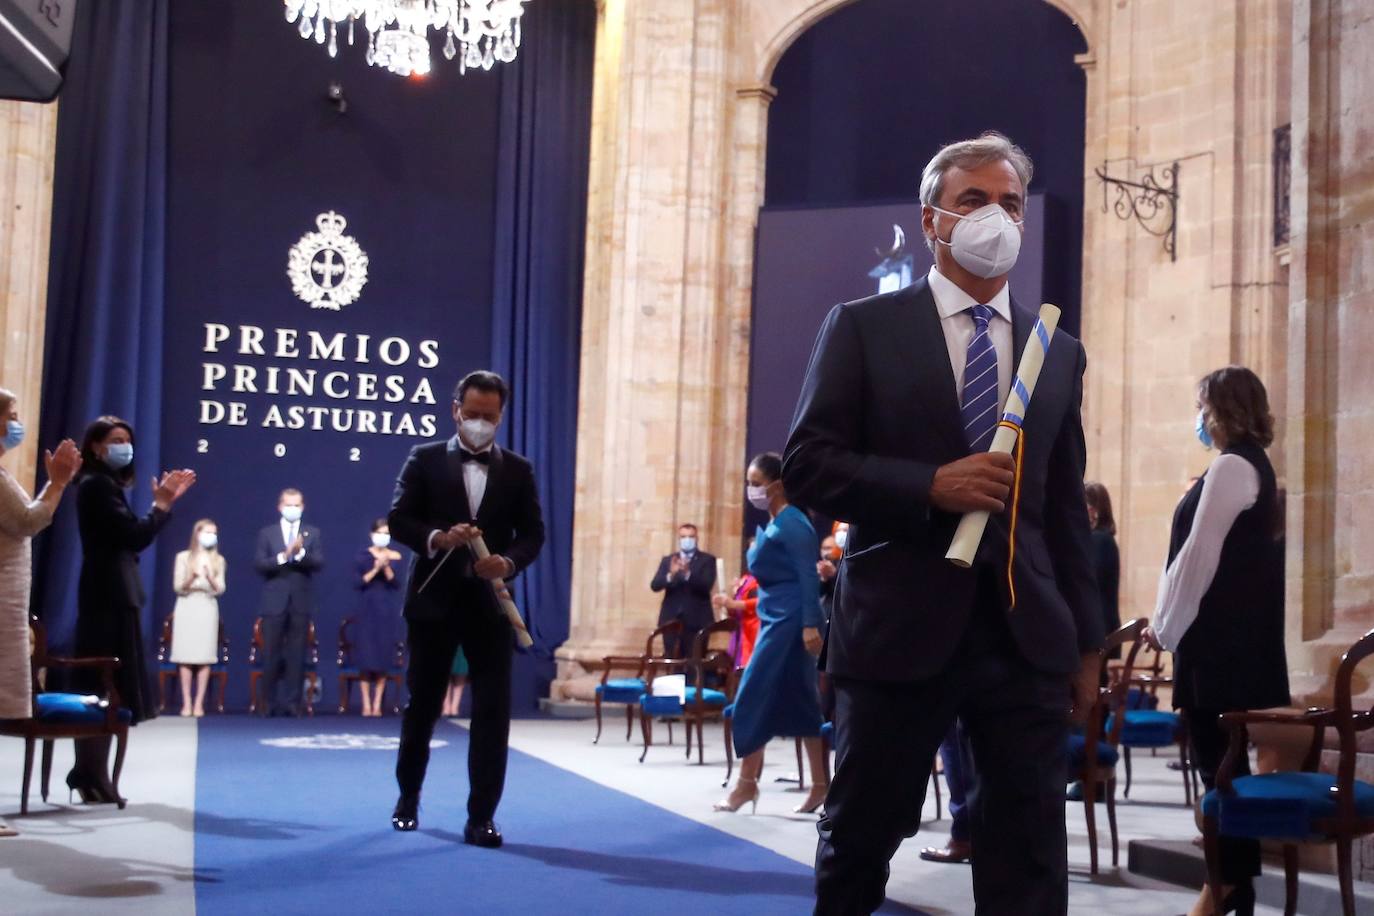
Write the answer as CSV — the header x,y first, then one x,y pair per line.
x,y
663,331
28,141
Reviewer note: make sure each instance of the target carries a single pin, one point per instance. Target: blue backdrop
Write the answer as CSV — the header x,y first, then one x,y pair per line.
x,y
868,94
465,192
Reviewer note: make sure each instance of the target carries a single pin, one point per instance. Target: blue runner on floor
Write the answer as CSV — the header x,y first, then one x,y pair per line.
x,y
288,829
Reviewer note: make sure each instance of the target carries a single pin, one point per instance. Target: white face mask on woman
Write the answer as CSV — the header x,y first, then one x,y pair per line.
x,y
208,540
985,242
381,540
758,498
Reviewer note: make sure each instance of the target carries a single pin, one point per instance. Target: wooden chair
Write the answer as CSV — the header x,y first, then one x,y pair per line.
x,y
1147,726
628,690
702,703
67,715
350,675
167,669
1094,754
312,664
1305,806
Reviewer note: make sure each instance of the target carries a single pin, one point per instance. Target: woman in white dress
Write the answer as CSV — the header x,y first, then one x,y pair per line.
x,y
199,580
20,519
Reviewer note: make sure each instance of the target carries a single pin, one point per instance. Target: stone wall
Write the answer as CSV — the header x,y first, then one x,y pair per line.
x,y
28,135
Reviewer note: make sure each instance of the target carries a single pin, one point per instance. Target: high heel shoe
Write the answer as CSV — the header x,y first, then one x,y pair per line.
x,y
1241,900
725,804
813,801
79,786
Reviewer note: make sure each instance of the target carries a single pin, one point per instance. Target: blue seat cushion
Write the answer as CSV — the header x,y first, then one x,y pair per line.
x,y
621,690
168,667
669,706
1281,805
1141,699
1077,748
828,733
73,709
1148,728
729,711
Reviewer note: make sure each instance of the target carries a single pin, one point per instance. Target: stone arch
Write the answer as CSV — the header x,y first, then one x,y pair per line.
x,y
782,23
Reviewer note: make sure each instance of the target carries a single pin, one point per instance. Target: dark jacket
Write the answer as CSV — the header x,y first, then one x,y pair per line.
x,y
687,598
430,495
290,584
1107,566
878,415
110,591
1232,657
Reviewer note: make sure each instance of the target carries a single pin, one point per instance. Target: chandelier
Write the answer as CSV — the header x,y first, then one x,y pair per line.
x,y
478,32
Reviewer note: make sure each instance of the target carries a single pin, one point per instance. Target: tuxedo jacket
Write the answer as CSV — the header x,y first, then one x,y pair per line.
x,y
430,495
689,599
878,414
290,584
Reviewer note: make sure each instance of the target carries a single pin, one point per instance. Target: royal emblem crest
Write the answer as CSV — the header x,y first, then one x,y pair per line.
x,y
327,268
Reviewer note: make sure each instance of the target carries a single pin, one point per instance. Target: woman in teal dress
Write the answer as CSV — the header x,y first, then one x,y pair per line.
x,y
778,695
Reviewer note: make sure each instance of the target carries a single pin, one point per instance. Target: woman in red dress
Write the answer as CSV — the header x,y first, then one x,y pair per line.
x,y
744,605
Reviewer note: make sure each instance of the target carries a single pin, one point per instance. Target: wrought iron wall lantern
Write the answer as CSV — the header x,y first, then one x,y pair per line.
x,y
1152,202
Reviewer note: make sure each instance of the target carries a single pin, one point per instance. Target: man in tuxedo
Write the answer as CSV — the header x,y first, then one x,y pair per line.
x,y
686,579
901,398
448,494
289,554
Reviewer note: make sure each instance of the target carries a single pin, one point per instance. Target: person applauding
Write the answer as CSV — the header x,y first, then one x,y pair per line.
x,y
110,594
20,519
199,579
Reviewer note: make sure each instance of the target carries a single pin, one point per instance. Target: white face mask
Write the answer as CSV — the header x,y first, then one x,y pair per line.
x,y
758,498
208,540
381,540
477,434
292,513
984,242
687,545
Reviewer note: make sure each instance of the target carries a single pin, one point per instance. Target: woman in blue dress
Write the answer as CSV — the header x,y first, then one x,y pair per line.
x,y
376,624
778,695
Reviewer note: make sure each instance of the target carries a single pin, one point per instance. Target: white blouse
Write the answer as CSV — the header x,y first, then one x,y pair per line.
x,y
1231,486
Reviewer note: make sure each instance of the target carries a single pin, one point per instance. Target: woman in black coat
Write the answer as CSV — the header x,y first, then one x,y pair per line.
x,y
1106,556
1220,606
110,592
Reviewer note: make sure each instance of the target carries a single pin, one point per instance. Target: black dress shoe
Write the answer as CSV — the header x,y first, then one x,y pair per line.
x,y
406,817
482,833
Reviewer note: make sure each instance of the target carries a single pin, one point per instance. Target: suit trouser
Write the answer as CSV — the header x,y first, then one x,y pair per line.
x,y
1016,719
679,645
958,762
486,639
283,661
1238,857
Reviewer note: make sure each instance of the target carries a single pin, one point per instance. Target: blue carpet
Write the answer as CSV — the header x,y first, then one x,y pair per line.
x,y
306,830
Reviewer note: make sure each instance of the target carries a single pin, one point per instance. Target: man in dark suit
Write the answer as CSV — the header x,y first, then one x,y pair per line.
x,y
448,494
288,555
686,579
898,408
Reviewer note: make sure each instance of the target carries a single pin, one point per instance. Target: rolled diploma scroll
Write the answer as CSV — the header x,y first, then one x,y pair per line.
x,y
720,575
969,534
522,635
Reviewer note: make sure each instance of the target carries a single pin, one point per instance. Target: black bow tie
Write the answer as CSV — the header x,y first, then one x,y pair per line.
x,y
481,457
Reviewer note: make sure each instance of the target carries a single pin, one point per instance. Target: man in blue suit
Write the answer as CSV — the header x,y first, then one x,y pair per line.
x,y
289,554
900,402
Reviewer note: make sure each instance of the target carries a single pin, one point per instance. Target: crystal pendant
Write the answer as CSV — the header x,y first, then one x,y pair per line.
x,y
304,28
449,49
351,20
319,29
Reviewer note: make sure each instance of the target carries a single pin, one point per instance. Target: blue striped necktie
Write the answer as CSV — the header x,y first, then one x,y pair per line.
x,y
980,407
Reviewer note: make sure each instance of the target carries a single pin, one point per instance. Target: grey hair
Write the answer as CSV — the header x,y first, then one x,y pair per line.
x,y
970,154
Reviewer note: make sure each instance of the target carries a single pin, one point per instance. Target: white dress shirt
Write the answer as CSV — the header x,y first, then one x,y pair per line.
x,y
289,530
1231,486
474,482
953,305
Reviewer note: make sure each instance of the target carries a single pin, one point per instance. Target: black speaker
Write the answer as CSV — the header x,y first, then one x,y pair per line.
x,y
35,36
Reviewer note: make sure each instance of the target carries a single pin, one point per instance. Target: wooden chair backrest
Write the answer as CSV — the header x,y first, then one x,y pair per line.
x,y
1112,699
